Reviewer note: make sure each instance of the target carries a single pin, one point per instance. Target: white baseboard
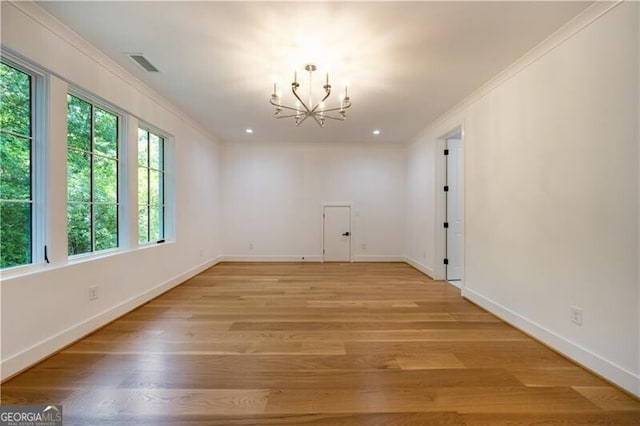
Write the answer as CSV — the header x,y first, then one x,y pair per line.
x,y
378,258
601,366
21,361
457,283
420,267
270,258
307,258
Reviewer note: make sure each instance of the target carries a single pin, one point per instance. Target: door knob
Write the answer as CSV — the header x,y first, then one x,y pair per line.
x,y
346,234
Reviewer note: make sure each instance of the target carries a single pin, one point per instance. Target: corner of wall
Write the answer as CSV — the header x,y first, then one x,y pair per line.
x,y
420,267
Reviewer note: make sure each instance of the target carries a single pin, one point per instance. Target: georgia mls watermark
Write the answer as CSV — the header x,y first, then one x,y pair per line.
x,y
30,415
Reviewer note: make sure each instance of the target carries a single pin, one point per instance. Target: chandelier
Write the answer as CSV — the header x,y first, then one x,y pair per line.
x,y
303,110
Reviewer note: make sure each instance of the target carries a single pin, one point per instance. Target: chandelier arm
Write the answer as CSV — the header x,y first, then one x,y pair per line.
x,y
337,108
335,118
340,108
292,109
285,107
295,93
323,99
302,121
317,121
287,116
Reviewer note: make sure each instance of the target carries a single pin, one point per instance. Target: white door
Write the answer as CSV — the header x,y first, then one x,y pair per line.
x,y
337,233
455,209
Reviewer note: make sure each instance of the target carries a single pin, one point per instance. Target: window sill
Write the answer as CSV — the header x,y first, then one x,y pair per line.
x,y
17,272
145,246
94,255
22,271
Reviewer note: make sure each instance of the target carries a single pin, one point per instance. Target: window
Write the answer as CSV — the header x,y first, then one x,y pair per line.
x,y
16,162
92,177
151,173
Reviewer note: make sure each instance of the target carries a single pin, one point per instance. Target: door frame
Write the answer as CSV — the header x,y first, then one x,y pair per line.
x,y
336,204
441,203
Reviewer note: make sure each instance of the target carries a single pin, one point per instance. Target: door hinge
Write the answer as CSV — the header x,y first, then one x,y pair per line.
x,y
446,224
446,261
446,188
322,251
446,152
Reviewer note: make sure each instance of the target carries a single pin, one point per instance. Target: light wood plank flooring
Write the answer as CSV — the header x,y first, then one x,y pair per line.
x,y
322,344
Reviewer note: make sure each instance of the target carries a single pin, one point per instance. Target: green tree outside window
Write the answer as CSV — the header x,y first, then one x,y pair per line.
x,y
16,140
150,187
92,177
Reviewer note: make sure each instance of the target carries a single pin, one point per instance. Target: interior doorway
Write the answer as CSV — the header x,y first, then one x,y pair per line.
x,y
454,206
336,238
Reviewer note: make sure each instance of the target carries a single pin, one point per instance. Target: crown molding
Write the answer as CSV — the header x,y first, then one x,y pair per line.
x,y
556,39
44,18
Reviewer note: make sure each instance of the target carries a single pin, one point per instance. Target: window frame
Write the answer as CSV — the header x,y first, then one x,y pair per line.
x,y
121,175
38,163
165,138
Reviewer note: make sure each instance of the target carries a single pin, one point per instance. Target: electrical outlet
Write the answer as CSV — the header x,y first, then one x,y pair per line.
x,y
201,252
93,292
575,314
364,246
250,246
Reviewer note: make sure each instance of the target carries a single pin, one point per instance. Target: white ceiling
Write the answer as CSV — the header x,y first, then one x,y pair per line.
x,y
406,62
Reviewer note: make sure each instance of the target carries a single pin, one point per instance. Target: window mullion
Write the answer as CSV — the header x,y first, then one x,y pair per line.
x,y
19,135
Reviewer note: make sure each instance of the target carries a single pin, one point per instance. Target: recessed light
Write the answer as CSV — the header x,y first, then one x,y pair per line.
x,y
249,131
376,132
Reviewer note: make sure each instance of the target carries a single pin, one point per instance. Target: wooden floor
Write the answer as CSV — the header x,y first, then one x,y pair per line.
x,y
322,344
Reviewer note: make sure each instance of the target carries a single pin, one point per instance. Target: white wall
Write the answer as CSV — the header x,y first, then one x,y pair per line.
x,y
551,181
48,308
421,214
272,196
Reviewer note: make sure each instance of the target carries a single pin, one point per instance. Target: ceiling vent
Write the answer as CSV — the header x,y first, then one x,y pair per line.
x,y
143,62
